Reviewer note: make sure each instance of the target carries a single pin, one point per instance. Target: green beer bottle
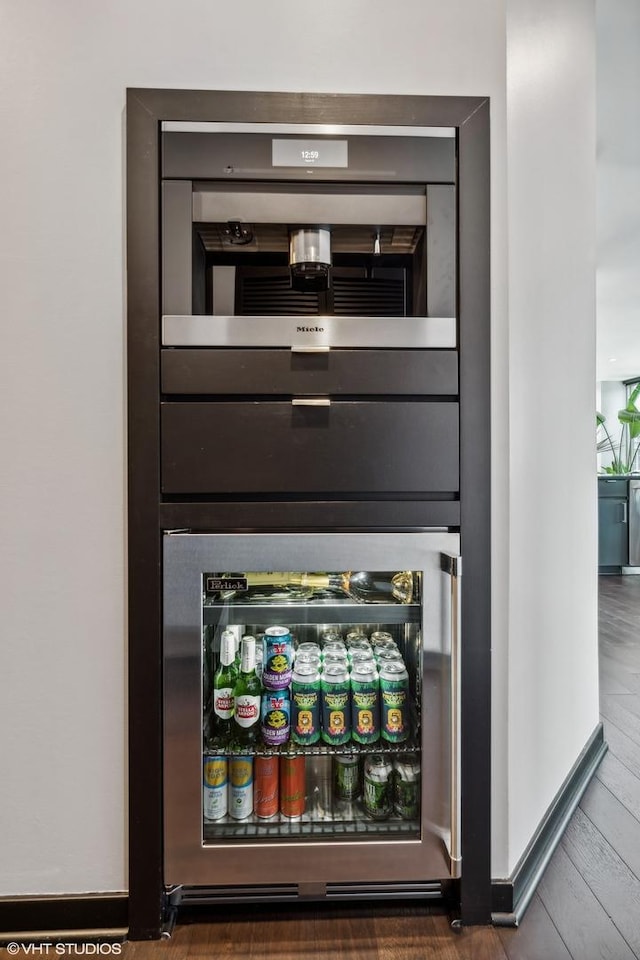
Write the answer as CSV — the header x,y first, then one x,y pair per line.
x,y
224,683
247,695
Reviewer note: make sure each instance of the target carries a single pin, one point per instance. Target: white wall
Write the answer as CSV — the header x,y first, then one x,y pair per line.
x,y
552,660
63,73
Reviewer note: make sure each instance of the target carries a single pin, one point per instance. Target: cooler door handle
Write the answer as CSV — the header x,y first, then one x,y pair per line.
x,y
451,564
624,512
311,402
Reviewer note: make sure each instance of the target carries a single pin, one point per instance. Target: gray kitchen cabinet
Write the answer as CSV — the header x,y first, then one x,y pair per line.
x,y
613,528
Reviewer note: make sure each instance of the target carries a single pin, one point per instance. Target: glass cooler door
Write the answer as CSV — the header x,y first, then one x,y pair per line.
x,y
307,710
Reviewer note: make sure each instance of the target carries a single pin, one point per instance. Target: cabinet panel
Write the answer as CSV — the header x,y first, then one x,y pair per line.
x,y
354,372
276,447
613,540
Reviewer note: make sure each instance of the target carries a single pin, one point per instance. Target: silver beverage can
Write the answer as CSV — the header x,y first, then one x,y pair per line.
x,y
214,787
240,787
308,647
334,646
378,787
381,636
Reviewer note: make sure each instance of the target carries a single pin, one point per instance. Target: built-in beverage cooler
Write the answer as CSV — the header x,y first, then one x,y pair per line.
x,y
311,714
308,315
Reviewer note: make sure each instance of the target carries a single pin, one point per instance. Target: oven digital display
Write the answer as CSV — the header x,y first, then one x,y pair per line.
x,y
309,153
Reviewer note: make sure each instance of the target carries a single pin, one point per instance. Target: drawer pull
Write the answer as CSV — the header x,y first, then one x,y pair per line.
x,y
310,348
311,402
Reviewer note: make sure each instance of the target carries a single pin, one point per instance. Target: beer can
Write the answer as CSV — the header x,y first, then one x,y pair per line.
x,y
334,646
356,633
305,703
360,643
307,657
389,654
214,787
275,717
394,699
331,634
358,655
336,712
346,776
335,656
381,636
406,786
377,787
266,796
308,646
240,787
277,660
292,786
365,702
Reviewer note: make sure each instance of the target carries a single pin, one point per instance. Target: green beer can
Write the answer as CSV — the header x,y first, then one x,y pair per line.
x,y
378,784
406,786
346,776
365,702
336,707
394,697
305,702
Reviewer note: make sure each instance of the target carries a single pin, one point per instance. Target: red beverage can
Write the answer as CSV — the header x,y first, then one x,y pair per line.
x,y
265,786
292,786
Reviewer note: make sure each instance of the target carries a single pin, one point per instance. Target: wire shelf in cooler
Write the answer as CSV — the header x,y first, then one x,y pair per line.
x,y
315,611
329,828
318,750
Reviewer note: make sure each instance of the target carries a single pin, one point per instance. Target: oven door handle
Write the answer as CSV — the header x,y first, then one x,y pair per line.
x,y
451,564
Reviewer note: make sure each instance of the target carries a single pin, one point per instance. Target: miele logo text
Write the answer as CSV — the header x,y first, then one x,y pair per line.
x,y
309,329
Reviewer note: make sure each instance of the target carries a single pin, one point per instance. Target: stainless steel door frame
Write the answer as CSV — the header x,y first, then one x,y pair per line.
x,y
634,523
187,860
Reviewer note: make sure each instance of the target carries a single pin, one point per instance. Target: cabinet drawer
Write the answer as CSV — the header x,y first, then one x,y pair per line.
x,y
612,488
351,372
349,447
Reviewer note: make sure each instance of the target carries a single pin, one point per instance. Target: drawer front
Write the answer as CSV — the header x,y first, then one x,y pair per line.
x,y
351,372
612,488
349,447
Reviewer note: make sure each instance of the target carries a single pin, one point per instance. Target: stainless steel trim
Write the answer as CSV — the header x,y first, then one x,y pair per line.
x,y
304,860
321,129
381,209
452,565
310,348
383,332
624,513
311,402
634,522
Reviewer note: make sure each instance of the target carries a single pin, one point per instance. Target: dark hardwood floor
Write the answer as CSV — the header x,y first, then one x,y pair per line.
x,y
587,906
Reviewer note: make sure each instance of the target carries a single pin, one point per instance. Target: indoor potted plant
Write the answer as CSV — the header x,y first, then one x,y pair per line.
x,y
624,453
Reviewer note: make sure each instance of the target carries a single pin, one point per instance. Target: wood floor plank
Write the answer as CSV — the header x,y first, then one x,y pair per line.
x,y
581,921
621,782
536,938
619,827
629,701
471,943
608,876
613,708
622,747
411,938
